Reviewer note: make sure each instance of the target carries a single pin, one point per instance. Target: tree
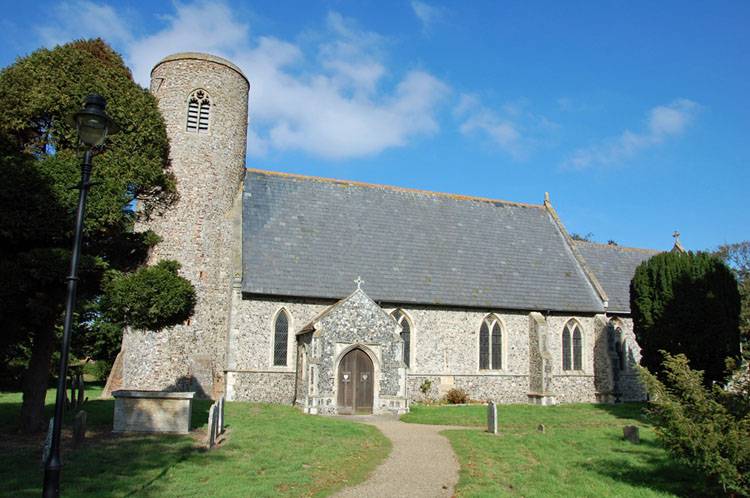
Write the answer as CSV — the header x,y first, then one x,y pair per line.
x,y
737,257
39,163
708,429
686,303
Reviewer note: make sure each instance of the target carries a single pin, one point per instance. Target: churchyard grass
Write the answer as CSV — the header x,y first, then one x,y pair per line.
x,y
580,454
269,450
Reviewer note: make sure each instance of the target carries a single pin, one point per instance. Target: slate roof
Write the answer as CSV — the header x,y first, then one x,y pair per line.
x,y
311,237
614,267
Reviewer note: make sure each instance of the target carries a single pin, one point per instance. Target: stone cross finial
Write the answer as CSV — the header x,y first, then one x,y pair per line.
x,y
677,246
359,282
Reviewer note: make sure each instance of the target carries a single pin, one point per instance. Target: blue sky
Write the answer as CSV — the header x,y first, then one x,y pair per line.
x,y
635,116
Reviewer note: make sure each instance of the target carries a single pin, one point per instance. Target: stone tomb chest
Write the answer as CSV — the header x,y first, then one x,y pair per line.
x,y
153,411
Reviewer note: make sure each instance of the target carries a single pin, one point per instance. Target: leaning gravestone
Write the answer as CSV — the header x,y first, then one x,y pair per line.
x,y
630,433
221,415
491,417
212,413
79,428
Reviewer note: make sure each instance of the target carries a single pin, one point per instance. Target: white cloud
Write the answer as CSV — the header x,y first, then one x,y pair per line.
x,y
662,122
198,27
335,97
514,129
75,20
427,14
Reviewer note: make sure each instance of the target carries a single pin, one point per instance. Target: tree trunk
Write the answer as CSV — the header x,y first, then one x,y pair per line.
x,y
35,382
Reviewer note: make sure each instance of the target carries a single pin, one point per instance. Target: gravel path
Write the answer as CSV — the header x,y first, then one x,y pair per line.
x,y
421,463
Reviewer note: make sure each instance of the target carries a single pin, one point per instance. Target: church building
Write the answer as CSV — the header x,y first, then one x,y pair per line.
x,y
345,297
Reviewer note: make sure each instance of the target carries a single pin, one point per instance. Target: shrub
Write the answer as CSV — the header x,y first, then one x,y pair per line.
x,y
456,396
706,428
151,297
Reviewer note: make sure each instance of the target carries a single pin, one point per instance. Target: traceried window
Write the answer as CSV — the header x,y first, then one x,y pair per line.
x,y
199,105
572,347
280,338
490,344
402,320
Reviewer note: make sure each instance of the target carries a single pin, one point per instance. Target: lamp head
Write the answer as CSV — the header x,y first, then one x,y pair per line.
x,y
93,123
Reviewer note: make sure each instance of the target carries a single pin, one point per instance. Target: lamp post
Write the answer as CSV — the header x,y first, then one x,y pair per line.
x,y
93,126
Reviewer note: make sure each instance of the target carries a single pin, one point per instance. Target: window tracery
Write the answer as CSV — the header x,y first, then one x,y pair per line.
x,y
490,344
199,106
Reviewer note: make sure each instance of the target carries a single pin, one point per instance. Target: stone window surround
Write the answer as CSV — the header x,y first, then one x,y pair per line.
x,y
290,342
584,342
503,345
619,329
412,334
211,103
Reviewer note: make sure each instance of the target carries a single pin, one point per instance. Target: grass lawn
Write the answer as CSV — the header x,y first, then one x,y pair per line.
x,y
581,453
269,450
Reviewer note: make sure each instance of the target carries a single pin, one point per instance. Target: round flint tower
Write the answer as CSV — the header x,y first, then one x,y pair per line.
x,y
204,101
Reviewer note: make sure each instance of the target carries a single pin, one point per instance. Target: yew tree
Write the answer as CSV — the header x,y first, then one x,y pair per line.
x,y
39,169
686,303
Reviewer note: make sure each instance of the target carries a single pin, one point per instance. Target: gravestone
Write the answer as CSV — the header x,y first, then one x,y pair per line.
x,y
79,428
631,433
491,417
221,415
541,428
212,416
47,441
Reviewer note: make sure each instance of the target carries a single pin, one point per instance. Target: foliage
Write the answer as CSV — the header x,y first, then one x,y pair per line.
x,y
425,386
456,396
737,257
707,429
292,455
686,303
589,237
40,165
581,452
151,298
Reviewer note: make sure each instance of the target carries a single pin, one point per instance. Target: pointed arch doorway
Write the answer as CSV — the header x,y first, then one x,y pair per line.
x,y
355,383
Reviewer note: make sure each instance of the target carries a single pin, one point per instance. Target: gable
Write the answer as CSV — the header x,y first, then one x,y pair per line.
x,y
309,237
614,267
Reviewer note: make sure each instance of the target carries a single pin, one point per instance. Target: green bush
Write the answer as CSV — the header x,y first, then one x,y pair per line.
x,y
153,297
456,396
706,428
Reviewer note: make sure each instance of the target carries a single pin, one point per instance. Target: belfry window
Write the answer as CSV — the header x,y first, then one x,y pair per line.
x,y
280,338
572,347
402,320
199,105
490,344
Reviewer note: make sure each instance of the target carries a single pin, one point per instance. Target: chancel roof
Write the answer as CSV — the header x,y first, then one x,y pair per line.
x,y
614,267
312,237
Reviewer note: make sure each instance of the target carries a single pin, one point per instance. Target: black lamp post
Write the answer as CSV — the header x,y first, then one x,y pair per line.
x,y
93,126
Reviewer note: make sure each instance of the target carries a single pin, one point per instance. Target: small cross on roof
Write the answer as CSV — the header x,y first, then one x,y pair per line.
x,y
359,282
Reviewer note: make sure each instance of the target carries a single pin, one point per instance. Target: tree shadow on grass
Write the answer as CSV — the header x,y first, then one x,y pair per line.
x,y
650,470
633,411
107,465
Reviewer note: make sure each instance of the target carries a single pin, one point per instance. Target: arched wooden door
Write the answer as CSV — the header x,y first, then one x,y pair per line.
x,y
355,383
